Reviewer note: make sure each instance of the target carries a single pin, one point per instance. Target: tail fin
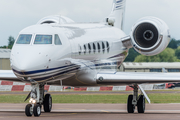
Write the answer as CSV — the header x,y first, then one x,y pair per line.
x,y
116,17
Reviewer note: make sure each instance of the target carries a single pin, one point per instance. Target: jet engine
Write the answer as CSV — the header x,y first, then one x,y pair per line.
x,y
150,36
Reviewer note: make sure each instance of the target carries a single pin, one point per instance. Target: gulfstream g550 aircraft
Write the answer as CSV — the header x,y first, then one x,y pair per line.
x,y
58,51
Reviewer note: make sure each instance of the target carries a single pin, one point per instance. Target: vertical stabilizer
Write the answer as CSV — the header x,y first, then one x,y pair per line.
x,y
116,18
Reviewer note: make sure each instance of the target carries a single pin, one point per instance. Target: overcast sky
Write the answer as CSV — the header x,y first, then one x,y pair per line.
x,y
18,14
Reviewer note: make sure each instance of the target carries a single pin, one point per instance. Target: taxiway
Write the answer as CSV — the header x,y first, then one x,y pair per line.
x,y
93,112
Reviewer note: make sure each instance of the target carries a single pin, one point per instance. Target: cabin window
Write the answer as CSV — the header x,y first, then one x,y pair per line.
x,y
107,44
57,40
84,49
43,39
94,47
24,39
99,48
103,46
79,49
89,47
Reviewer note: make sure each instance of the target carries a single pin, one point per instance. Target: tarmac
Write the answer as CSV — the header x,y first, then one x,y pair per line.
x,y
93,112
9,111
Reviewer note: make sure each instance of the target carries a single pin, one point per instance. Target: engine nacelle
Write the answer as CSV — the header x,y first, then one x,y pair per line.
x,y
150,36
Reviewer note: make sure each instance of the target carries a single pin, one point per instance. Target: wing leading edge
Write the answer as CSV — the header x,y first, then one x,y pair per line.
x,y
8,75
128,78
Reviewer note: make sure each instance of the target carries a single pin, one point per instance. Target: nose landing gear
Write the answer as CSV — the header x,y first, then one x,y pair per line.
x,y
37,99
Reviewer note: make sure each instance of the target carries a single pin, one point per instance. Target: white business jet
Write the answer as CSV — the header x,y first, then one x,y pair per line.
x,y
58,51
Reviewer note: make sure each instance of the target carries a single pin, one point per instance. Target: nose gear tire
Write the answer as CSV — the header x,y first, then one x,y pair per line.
x,y
37,110
28,110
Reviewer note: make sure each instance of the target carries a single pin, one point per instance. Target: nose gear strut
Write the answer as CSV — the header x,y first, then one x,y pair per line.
x,y
37,99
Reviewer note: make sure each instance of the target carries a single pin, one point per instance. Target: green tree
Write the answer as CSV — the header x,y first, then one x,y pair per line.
x,y
168,55
132,55
174,43
3,47
177,52
11,41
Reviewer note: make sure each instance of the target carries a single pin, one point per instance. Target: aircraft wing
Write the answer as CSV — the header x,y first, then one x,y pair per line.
x,y
8,75
129,78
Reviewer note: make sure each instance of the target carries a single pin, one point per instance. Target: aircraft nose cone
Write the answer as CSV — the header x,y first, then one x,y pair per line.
x,y
30,58
21,65
24,63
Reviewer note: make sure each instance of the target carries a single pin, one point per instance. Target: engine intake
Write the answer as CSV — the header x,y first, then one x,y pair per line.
x,y
146,35
150,36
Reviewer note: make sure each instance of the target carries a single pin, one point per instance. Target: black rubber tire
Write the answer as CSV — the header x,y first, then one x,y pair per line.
x,y
37,110
28,111
47,103
141,104
130,106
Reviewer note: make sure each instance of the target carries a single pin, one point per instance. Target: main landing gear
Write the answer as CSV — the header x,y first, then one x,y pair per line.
x,y
134,100
37,99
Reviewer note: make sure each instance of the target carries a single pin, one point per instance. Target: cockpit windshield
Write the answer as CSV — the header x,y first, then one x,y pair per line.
x,y
43,39
24,39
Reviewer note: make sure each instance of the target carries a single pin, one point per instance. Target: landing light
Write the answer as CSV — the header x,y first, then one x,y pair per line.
x,y
32,101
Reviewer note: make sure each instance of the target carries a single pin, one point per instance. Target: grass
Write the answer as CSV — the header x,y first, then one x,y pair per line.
x,y
89,98
12,98
165,98
155,98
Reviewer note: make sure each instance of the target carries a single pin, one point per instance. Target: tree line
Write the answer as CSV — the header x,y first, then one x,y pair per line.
x,y
11,41
170,54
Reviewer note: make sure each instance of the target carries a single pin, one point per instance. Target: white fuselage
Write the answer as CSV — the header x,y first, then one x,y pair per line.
x,y
85,50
